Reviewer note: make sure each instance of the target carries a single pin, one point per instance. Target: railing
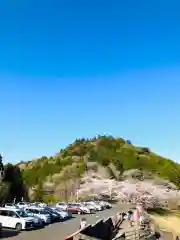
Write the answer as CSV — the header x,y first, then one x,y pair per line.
x,y
76,234
81,233
133,235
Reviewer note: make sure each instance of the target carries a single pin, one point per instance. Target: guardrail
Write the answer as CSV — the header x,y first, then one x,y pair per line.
x,y
102,229
133,234
78,232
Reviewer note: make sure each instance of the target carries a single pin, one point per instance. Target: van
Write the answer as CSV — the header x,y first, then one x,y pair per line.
x,y
16,219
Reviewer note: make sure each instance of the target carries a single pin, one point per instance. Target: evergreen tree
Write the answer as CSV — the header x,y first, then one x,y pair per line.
x,y
39,193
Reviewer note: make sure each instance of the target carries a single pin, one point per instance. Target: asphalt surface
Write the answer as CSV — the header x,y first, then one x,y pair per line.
x,y
58,231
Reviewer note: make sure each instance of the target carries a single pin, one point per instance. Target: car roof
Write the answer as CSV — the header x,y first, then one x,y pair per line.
x,y
10,209
22,203
34,207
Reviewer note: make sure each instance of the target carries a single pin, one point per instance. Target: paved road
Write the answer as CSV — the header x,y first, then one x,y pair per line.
x,y
58,231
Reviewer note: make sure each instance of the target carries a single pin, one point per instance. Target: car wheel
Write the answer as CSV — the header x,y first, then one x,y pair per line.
x,y
18,227
79,213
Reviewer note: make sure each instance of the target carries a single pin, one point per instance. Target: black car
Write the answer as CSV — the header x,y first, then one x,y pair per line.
x,y
54,215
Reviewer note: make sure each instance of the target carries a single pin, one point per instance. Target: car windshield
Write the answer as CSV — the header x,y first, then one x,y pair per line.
x,y
58,210
48,210
43,212
22,214
23,203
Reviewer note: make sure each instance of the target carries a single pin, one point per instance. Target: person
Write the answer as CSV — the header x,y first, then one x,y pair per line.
x,y
83,223
136,216
129,218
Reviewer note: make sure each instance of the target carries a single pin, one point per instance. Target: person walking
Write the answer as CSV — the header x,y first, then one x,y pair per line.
x,y
136,216
129,218
83,223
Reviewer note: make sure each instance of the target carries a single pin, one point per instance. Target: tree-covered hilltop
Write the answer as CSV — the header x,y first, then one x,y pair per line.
x,y
57,177
104,150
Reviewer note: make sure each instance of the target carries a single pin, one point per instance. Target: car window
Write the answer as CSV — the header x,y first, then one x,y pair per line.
x,y
22,214
30,210
3,213
13,214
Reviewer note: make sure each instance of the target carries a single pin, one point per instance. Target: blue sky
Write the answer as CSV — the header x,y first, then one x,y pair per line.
x,y
71,69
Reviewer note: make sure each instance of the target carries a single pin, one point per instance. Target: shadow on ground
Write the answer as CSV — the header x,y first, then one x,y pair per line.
x,y
159,211
6,233
105,197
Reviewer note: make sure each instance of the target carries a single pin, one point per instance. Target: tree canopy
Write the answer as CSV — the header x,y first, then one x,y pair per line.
x,y
104,150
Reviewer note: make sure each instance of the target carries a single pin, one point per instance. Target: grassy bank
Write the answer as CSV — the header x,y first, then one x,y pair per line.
x,y
166,220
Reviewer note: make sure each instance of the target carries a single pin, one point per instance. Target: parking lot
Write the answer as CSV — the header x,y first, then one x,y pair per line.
x,y
59,230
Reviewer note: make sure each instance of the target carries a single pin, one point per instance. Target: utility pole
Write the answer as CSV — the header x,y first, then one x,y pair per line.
x,y
77,195
110,193
14,200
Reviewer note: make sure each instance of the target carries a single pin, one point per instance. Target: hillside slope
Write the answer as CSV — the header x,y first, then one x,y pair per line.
x,y
60,176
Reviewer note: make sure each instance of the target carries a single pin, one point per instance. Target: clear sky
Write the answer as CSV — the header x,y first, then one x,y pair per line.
x,y
71,69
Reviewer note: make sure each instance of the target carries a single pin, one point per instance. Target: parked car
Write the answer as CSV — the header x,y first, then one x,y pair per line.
x,y
38,222
75,208
22,204
64,215
16,219
38,212
72,208
85,208
104,204
40,204
62,206
97,206
55,216
10,205
92,208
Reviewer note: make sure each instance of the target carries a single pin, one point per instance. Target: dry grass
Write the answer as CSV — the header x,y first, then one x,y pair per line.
x,y
167,222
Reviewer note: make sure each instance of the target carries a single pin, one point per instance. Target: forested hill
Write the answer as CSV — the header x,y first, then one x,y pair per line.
x,y
105,150
62,171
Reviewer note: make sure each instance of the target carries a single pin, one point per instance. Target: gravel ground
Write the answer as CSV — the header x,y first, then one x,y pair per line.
x,y
61,230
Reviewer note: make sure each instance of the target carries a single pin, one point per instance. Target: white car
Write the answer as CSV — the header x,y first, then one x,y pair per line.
x,y
16,219
22,204
95,205
92,208
87,208
62,206
10,205
38,212
104,204
40,204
